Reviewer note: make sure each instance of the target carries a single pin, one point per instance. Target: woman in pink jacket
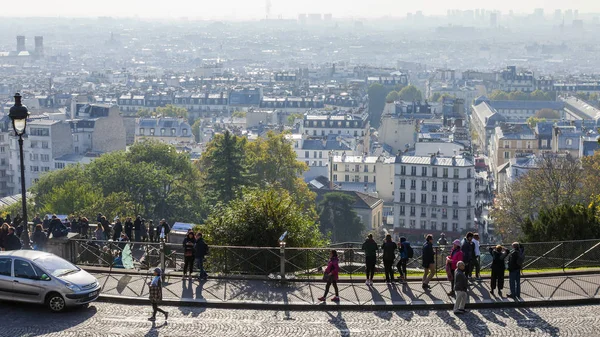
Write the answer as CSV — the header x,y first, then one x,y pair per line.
x,y
451,261
331,276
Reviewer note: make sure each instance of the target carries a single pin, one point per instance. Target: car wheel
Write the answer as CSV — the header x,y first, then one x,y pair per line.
x,y
55,302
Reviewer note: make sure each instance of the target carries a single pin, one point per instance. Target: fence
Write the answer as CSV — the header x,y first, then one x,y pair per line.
x,y
286,262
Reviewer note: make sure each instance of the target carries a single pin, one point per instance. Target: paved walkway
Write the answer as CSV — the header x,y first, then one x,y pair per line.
x,y
534,290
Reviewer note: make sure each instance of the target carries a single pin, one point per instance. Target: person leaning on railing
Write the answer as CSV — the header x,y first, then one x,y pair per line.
x,y
370,248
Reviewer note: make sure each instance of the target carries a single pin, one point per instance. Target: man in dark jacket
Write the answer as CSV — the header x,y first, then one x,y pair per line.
x,y
428,261
137,228
129,228
151,231
467,251
200,252
117,229
460,288
105,227
370,248
515,262
57,228
12,242
389,255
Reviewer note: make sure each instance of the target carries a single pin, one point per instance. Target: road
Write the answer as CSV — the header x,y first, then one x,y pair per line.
x,y
104,319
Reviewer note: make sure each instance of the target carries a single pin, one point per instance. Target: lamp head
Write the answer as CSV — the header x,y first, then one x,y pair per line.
x,y
19,114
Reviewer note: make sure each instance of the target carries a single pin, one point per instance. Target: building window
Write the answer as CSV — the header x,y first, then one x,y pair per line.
x,y
423,224
44,145
423,185
455,173
366,179
469,173
424,171
402,210
468,215
402,197
434,199
469,186
455,213
162,131
347,168
569,141
445,173
455,200
413,184
402,184
444,186
366,168
423,212
444,226
413,224
413,211
142,131
423,198
413,197
434,171
45,157
173,131
335,177
434,186
152,132
434,212
468,200
413,170
346,178
455,187
444,213
434,225
306,154
444,200
506,155
507,144
403,170
335,167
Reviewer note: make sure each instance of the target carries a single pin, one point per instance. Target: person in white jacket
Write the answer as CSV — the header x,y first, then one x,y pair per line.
x,y
476,262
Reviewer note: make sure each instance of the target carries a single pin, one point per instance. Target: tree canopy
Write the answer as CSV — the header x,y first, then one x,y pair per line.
x,y
538,95
377,94
547,114
392,96
338,218
169,110
410,93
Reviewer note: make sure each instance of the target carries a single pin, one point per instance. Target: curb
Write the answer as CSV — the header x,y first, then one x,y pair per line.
x,y
358,279
249,305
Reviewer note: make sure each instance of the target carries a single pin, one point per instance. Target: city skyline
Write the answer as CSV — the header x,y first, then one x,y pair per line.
x,y
257,9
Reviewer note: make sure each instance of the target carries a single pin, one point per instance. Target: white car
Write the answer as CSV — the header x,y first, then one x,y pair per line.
x,y
39,277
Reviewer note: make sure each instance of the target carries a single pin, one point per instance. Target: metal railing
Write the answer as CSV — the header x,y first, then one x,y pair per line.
x,y
289,262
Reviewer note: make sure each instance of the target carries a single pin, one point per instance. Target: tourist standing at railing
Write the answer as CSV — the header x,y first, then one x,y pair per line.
x,y
84,227
144,231
137,228
163,230
452,260
117,229
57,228
498,266
201,250
467,250
331,276
128,227
151,231
428,261
105,227
39,238
188,254
404,248
3,234
476,260
99,233
515,264
389,255
46,222
36,220
370,248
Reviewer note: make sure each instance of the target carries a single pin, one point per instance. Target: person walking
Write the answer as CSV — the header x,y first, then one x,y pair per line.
x,y
39,238
201,250
331,276
155,296
452,260
3,235
476,262
403,247
370,248
498,257
515,263
12,242
428,261
389,255
188,254
467,250
460,288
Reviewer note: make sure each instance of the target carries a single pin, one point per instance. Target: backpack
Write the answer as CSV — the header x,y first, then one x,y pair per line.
x,y
520,258
410,253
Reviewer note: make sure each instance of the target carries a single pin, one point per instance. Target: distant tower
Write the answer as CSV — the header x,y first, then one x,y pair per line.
x,y
20,43
268,9
39,46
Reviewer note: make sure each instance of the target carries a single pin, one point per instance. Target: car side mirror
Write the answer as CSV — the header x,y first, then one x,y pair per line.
x,y
44,277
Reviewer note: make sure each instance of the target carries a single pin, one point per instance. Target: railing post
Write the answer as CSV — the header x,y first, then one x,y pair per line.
x,y
162,259
282,260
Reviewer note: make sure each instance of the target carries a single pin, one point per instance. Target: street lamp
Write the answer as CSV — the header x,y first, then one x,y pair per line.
x,y
19,114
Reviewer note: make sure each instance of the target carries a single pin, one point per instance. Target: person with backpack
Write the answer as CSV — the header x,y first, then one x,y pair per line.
x,y
406,252
515,264
370,248
389,255
201,250
163,230
331,276
467,250
476,258
498,257
428,261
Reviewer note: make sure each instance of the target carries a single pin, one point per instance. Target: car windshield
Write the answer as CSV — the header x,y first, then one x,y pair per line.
x,y
55,265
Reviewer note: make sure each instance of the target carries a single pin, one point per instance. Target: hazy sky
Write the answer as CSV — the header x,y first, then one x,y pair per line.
x,y
255,9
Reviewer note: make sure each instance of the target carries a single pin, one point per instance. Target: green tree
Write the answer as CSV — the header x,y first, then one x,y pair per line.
x,y
145,113
565,222
547,114
338,218
540,95
224,167
273,162
171,110
582,96
43,189
377,94
259,218
532,121
71,197
392,96
517,96
239,114
410,93
197,129
292,117
499,95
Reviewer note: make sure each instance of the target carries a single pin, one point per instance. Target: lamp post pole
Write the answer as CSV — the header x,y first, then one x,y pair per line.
x,y
19,114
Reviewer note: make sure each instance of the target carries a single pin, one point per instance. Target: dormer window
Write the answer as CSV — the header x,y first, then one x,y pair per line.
x,y
141,131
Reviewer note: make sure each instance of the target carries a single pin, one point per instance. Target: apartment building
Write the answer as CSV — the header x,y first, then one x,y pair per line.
x,y
433,194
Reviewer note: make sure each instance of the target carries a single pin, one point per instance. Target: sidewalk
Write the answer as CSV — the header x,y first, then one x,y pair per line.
x,y
247,294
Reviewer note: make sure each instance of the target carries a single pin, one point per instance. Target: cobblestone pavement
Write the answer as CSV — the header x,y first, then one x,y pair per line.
x,y
104,319
220,290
